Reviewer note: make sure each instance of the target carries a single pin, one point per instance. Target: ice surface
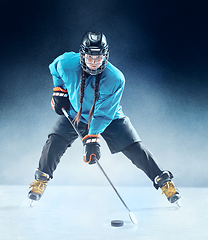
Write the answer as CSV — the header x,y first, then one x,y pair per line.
x,y
80,212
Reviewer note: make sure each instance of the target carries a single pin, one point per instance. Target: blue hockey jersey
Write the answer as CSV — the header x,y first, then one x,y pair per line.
x,y
66,73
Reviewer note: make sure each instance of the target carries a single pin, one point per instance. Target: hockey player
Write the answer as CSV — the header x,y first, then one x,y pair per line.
x,y
89,87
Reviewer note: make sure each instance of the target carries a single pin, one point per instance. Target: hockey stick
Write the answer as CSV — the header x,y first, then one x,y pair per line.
x,y
131,215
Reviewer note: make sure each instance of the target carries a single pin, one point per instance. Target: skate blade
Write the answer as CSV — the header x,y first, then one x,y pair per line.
x,y
33,203
178,203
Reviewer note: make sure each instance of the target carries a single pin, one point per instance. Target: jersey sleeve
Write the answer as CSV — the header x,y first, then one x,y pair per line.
x,y
57,81
105,109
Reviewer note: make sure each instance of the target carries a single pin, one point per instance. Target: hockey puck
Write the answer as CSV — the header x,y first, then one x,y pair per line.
x,y
117,223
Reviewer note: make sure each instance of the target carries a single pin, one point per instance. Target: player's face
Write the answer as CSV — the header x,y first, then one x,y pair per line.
x,y
93,62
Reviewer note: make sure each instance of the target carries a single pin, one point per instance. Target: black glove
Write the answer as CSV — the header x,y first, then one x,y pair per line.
x,y
60,100
92,148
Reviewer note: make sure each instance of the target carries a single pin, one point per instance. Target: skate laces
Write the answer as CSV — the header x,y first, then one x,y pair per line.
x,y
169,189
38,186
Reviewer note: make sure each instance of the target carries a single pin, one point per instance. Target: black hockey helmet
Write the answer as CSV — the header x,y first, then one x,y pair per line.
x,y
94,43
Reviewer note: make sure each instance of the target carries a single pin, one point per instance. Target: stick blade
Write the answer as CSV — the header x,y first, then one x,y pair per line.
x,y
133,218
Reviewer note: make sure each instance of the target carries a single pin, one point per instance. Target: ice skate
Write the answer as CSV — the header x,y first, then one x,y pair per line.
x,y
168,188
38,186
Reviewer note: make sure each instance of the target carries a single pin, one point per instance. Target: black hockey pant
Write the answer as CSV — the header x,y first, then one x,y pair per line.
x,y
119,135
